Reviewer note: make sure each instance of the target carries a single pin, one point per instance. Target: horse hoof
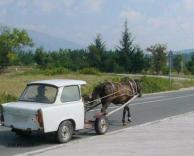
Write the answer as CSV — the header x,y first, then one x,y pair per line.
x,y
124,124
129,120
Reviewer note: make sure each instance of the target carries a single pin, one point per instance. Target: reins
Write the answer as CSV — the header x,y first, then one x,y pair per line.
x,y
109,95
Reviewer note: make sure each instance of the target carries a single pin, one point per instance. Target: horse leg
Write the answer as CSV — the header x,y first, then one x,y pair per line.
x,y
129,114
123,119
104,107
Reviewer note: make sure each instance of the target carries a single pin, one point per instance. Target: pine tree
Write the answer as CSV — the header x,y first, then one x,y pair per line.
x,y
126,49
96,52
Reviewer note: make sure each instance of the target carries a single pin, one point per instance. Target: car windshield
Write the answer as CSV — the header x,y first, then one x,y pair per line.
x,y
40,93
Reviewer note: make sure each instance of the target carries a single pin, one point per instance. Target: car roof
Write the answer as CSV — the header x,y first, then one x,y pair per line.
x,y
59,82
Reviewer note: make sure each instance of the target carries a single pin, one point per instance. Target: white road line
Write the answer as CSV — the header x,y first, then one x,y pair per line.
x,y
146,97
178,97
171,91
140,103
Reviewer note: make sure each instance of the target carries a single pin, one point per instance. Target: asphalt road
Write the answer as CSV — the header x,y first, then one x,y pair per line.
x,y
145,109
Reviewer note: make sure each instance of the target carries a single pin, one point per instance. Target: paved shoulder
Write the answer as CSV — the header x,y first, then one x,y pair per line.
x,y
170,136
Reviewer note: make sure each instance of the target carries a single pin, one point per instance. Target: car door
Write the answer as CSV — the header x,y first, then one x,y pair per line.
x,y
69,107
71,99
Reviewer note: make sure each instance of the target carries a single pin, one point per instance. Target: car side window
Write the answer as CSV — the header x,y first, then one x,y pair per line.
x,y
70,93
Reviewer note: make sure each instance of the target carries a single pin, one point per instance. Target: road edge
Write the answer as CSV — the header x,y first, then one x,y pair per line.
x,y
97,136
170,91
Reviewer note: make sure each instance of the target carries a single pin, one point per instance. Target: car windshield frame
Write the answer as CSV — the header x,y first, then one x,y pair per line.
x,y
35,84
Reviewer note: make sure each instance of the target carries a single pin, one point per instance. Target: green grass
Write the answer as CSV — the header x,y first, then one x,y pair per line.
x,y
153,84
4,97
11,85
90,71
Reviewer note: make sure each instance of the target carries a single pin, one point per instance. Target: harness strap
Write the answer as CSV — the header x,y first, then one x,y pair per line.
x,y
133,91
113,88
108,96
135,85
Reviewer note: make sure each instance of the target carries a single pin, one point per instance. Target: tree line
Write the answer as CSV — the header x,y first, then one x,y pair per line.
x,y
126,58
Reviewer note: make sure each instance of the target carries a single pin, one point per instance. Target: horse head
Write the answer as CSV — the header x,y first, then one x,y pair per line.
x,y
93,98
86,98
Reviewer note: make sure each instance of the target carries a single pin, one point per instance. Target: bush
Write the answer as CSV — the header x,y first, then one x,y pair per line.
x,y
154,84
4,98
89,71
165,70
48,72
55,71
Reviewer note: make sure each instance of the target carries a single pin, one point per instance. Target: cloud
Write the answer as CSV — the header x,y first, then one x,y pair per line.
x,y
189,4
93,5
71,5
3,14
21,3
67,6
49,6
131,15
5,2
45,5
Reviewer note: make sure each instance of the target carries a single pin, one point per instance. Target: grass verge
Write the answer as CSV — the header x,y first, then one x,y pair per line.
x,y
12,85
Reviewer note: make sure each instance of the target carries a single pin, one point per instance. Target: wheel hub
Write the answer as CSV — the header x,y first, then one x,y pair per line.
x,y
65,132
103,125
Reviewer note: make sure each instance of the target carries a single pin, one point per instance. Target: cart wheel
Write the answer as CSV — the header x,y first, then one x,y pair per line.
x,y
101,125
65,132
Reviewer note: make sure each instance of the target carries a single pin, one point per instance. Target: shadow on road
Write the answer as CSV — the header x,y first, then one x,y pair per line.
x,y
10,139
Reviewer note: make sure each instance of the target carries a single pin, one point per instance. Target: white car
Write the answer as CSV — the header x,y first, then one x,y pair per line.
x,y
48,106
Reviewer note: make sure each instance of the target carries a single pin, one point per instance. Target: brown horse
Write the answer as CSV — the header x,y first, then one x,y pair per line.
x,y
117,93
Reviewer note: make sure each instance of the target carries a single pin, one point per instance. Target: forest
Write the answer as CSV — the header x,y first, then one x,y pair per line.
x,y
17,48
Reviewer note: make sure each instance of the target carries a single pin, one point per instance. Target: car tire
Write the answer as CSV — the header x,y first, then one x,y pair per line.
x,y
64,132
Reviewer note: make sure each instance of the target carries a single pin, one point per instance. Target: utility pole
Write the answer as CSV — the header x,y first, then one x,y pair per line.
x,y
170,56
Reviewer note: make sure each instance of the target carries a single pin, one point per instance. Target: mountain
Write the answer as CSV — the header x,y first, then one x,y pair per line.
x,y
51,43
185,51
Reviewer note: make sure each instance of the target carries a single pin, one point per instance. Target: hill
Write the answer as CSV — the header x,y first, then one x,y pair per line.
x,y
185,51
186,54
51,43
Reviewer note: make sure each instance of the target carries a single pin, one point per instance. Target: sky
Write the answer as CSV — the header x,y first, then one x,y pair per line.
x,y
149,21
